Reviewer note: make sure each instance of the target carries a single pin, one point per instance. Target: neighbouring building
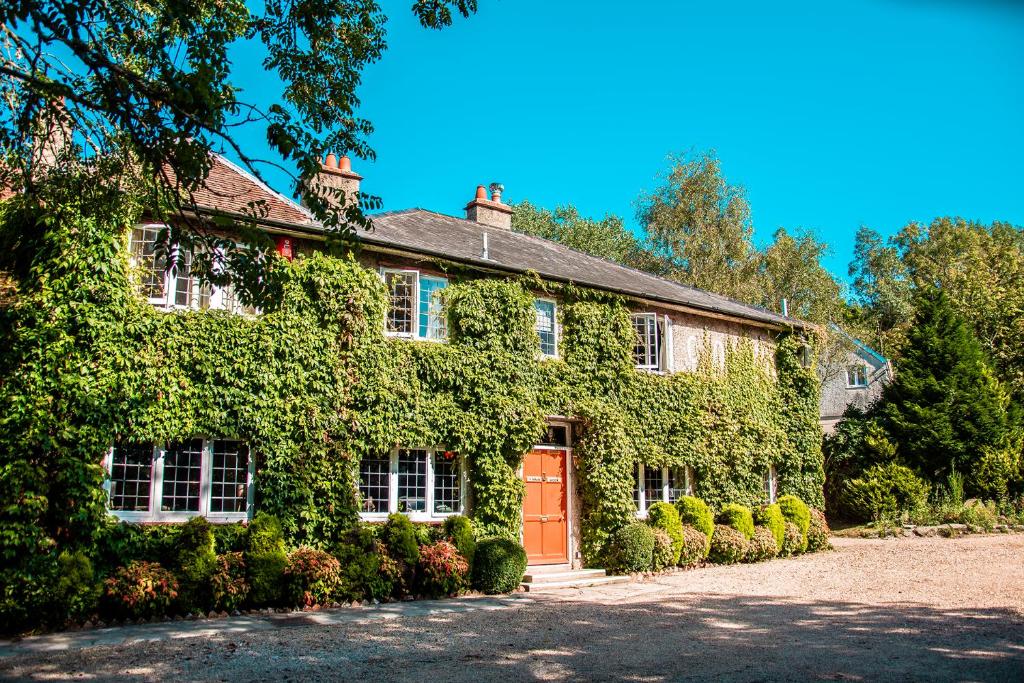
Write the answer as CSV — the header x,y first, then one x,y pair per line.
x,y
855,377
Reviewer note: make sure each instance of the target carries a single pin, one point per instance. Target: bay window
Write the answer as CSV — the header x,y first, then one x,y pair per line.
x,y
416,308
420,482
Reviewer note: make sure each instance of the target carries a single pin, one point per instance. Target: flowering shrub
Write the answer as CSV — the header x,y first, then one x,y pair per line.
x,y
228,586
797,512
817,532
311,577
142,589
728,546
443,570
695,546
762,545
792,541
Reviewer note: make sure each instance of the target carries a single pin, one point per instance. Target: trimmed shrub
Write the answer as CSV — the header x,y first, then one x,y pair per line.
x,y
797,512
728,546
762,545
499,565
696,513
367,571
664,555
739,518
771,516
140,590
695,547
442,569
230,538
76,591
265,560
312,577
818,532
792,541
885,492
664,516
228,586
195,562
632,549
459,530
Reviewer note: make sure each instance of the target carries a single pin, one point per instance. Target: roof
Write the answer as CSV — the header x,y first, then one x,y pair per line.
x,y
230,189
859,345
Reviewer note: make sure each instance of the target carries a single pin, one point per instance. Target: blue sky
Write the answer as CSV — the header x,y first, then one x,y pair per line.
x,y
869,113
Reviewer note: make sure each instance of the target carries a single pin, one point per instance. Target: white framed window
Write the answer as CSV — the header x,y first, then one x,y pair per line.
x,y
178,480
423,483
856,376
653,348
661,485
547,326
771,484
416,309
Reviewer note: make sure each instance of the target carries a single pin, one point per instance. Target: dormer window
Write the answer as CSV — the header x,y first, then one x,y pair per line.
x,y
856,376
417,309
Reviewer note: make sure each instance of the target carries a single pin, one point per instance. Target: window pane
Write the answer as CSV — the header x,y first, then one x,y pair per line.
x,y
645,353
433,321
401,287
412,480
373,484
229,477
182,464
653,490
447,483
184,283
678,483
131,477
636,488
545,326
144,258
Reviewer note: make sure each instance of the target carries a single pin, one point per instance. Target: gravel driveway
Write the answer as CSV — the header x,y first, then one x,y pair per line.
x,y
909,609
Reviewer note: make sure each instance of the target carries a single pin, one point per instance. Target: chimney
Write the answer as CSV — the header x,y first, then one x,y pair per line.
x,y
337,174
490,212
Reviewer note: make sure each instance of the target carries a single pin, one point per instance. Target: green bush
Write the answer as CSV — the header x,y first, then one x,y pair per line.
x,y
76,591
762,545
195,563
140,591
818,532
664,555
228,585
632,549
499,565
728,546
367,571
980,514
739,518
792,541
796,511
664,516
771,516
696,513
265,561
695,547
402,541
442,569
885,492
459,530
312,577
230,538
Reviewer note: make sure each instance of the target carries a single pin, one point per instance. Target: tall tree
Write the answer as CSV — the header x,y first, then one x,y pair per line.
x,y
790,268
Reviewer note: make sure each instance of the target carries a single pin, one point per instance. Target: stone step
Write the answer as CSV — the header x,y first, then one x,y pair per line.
x,y
575,583
534,576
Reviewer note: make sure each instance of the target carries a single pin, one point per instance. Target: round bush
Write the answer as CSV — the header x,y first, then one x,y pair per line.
x,y
762,545
728,546
696,513
443,570
367,572
665,517
664,554
771,516
695,547
196,562
792,541
228,586
818,532
459,530
632,549
401,539
885,492
499,565
797,512
739,518
312,577
140,590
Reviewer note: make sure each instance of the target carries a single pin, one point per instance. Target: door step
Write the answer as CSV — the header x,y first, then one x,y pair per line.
x,y
545,580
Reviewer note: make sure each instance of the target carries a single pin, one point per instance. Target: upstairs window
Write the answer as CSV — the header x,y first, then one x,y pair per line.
x,y
420,482
856,376
653,348
433,321
416,309
546,327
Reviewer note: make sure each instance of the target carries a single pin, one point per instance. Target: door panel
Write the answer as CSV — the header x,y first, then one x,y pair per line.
x,y
545,510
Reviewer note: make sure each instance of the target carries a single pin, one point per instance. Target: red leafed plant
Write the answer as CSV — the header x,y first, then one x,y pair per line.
x,y
312,576
228,583
142,589
443,570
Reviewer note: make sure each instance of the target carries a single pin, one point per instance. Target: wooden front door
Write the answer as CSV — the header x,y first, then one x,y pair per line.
x,y
545,509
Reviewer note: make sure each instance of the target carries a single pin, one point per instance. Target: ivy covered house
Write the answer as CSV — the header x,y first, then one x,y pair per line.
x,y
445,365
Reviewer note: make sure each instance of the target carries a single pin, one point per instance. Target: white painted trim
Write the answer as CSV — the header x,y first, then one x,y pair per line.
x,y
418,516
556,331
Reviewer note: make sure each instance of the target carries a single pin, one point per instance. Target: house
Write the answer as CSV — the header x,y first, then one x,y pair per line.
x,y
855,377
748,447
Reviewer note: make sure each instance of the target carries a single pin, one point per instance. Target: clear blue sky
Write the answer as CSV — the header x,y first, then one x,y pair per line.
x,y
874,113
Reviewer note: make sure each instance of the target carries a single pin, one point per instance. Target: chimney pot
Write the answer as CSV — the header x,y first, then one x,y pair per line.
x,y
345,164
481,192
489,211
331,161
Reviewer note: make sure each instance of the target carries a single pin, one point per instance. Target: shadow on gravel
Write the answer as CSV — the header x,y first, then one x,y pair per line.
x,y
696,637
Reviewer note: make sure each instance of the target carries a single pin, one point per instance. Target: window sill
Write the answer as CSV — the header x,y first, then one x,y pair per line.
x,y
177,517
652,371
413,516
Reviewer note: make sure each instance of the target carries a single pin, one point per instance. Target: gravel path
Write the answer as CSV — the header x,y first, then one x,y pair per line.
x,y
903,610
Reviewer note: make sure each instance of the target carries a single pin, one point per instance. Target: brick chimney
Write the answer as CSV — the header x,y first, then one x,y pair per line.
x,y
490,212
337,174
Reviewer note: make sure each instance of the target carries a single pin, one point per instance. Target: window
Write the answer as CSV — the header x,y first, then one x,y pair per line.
x,y
680,482
145,259
771,484
653,349
546,326
176,481
661,485
420,482
856,376
417,310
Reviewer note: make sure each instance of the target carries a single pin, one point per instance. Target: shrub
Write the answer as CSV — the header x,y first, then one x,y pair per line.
x,y
664,516
632,549
885,492
140,590
459,530
265,560
739,518
762,546
792,540
696,513
228,587
442,569
771,516
311,577
980,514
818,532
195,562
367,571
76,591
796,511
728,546
230,538
695,547
499,565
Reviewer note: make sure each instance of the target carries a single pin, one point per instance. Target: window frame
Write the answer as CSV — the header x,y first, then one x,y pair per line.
x,y
663,337
414,334
156,473
554,326
416,516
770,484
640,490
863,368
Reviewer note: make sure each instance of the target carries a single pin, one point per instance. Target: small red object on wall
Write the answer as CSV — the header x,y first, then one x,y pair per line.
x,y
286,247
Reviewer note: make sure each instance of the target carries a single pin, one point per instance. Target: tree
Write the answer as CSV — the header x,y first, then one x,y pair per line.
x,y
790,268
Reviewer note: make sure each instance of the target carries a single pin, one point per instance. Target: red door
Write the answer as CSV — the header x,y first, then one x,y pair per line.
x,y
545,516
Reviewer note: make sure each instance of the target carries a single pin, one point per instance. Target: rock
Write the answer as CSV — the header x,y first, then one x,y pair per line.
x,y
925,531
100,624
89,624
211,615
